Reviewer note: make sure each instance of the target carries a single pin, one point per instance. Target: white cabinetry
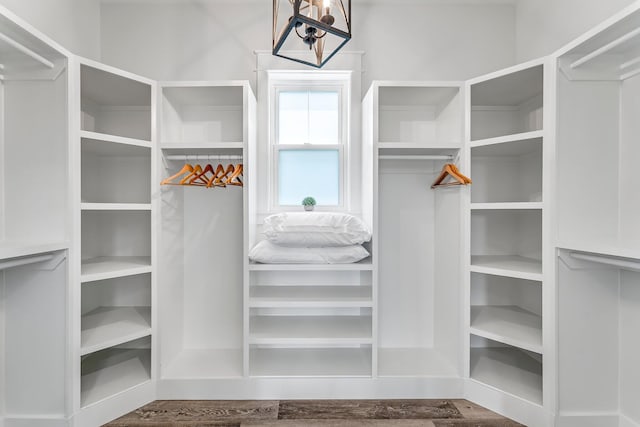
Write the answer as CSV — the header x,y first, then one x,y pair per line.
x,y
204,232
34,234
410,130
510,267
115,291
598,206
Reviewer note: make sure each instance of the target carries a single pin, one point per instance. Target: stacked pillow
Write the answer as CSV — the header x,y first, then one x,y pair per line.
x,y
312,238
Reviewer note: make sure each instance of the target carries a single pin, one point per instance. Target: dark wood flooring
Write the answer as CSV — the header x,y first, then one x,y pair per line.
x,y
312,413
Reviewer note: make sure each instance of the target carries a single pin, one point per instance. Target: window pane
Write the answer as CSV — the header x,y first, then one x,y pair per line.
x,y
323,117
293,123
308,117
303,173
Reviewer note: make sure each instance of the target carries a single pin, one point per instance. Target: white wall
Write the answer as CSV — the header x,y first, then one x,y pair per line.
x,y
216,39
544,26
74,24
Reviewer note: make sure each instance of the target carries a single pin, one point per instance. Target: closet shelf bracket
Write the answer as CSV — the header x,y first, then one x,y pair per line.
x,y
11,42
47,261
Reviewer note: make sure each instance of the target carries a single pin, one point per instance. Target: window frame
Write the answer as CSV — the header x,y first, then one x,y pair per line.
x,y
286,81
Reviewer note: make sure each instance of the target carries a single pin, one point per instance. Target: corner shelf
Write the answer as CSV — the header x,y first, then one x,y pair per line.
x,y
509,370
507,265
102,268
109,326
509,325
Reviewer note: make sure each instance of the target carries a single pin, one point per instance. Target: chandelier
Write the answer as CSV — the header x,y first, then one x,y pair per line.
x,y
310,31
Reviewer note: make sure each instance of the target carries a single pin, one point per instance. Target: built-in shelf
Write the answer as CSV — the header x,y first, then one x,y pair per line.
x,y
507,265
310,330
203,148
310,296
109,326
115,206
509,325
14,249
509,370
116,371
363,265
310,362
517,137
102,268
602,249
410,149
103,137
414,362
204,363
507,206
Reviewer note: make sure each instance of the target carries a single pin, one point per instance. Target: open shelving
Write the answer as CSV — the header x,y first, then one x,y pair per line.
x,y
508,275
310,362
418,114
109,326
310,330
310,296
114,370
116,143
512,370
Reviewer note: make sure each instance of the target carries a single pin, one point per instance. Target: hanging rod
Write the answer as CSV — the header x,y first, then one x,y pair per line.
x,y
25,260
617,42
629,74
629,63
26,51
622,263
186,157
410,157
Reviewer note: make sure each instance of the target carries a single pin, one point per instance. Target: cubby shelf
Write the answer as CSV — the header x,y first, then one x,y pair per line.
x,y
507,206
109,267
509,325
115,206
106,138
363,265
310,330
109,326
509,370
310,296
310,362
117,371
515,138
507,265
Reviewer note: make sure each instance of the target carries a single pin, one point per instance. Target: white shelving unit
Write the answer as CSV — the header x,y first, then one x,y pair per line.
x,y
201,297
510,271
34,232
598,84
115,237
410,130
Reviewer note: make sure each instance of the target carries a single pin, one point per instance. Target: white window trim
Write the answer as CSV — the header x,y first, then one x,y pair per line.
x,y
291,80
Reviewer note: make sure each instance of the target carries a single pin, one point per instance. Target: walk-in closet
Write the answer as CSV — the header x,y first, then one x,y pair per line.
x,y
447,212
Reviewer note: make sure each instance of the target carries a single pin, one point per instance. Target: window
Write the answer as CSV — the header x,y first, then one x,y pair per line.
x,y
309,138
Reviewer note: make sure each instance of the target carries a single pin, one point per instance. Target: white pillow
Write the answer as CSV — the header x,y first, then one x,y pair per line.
x,y
315,229
268,253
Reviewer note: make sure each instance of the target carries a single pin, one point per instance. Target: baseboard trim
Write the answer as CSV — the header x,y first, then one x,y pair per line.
x,y
51,421
310,388
588,420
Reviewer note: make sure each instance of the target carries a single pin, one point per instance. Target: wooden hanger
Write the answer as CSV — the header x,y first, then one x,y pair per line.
x,y
187,168
196,170
201,178
235,178
222,178
450,170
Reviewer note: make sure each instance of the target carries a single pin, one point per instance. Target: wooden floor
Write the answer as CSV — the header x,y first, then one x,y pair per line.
x,y
321,413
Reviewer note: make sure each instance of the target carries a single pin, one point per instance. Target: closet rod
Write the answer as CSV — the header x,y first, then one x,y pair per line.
x,y
26,50
410,157
629,63
24,261
186,157
622,263
629,74
617,42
